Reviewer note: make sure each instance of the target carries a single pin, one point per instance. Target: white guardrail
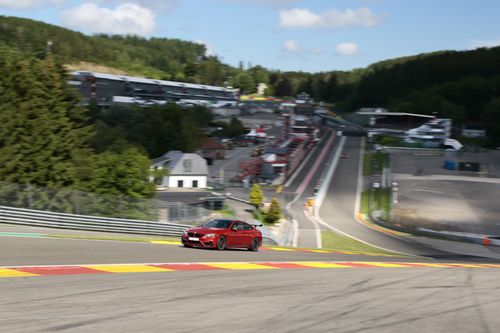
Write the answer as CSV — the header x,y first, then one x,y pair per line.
x,y
37,218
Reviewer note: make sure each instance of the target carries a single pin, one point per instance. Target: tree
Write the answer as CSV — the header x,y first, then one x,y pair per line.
x,y
122,173
283,87
491,117
274,213
256,196
41,127
234,128
245,82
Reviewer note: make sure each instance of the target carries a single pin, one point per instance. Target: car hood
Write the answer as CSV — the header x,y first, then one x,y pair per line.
x,y
205,230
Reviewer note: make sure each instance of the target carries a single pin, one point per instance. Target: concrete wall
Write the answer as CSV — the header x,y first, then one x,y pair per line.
x,y
172,181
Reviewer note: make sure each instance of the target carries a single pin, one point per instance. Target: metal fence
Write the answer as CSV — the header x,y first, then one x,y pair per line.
x,y
71,201
30,217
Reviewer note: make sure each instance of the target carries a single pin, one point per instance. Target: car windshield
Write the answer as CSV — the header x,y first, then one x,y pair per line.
x,y
219,224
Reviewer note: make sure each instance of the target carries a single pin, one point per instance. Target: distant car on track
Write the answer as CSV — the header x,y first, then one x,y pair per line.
x,y
221,234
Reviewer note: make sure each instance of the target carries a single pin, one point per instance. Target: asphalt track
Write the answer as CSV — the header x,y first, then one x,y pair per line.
x,y
355,299
298,191
298,300
338,211
15,251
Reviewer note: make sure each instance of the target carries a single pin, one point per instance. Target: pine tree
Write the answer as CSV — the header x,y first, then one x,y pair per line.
x,y
42,129
256,196
274,213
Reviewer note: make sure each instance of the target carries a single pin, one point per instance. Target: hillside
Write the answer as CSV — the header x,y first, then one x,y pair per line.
x,y
156,57
462,85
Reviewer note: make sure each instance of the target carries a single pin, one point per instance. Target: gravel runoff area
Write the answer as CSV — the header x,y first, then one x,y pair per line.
x,y
432,197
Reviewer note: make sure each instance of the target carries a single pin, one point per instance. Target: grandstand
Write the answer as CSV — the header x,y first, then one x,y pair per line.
x,y
107,89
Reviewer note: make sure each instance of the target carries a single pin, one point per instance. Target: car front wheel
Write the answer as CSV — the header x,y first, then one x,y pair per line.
x,y
221,243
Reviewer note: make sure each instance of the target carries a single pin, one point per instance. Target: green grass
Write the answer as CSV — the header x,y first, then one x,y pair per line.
x,y
381,200
226,212
338,242
364,206
375,162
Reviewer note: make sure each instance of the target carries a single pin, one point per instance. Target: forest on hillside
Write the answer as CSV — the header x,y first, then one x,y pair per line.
x,y
462,85
57,155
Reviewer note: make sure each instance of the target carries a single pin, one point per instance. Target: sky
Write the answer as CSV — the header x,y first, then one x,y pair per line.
x,y
312,36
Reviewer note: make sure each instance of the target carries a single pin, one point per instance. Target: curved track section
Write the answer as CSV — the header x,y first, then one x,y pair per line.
x,y
338,211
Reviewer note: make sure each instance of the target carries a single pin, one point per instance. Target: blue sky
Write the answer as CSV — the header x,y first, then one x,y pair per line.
x,y
314,35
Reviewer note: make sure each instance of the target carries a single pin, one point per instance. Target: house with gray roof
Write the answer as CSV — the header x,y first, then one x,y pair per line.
x,y
185,170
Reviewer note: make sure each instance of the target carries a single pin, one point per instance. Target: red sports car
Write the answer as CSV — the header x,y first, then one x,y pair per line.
x,y
221,234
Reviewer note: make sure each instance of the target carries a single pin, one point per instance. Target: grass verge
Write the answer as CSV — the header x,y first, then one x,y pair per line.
x,y
333,241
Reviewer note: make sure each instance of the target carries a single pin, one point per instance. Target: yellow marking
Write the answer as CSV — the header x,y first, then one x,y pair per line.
x,y
281,249
424,264
6,272
166,242
491,265
466,265
319,251
240,266
320,264
384,264
128,268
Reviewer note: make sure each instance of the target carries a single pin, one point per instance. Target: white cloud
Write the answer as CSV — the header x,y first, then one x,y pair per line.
x,y
347,49
484,43
271,3
299,18
156,5
304,18
128,18
25,4
292,46
209,49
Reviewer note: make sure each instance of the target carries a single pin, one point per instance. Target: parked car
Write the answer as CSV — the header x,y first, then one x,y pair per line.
x,y
221,234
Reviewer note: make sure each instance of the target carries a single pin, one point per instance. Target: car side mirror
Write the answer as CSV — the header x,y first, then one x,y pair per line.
x,y
235,228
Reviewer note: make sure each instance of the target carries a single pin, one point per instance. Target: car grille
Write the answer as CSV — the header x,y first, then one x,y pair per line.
x,y
195,234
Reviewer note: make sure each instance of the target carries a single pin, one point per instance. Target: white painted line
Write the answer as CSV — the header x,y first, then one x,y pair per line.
x,y
301,166
360,178
312,171
328,177
295,242
324,188
300,190
317,229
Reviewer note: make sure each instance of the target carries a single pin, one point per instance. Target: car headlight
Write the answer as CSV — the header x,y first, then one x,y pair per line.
x,y
210,235
185,232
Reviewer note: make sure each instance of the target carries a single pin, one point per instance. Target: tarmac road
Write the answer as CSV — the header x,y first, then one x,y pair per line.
x,y
338,210
298,191
16,251
298,300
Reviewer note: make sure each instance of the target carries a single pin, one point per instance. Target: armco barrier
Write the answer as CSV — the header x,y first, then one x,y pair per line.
x,y
29,217
37,218
446,235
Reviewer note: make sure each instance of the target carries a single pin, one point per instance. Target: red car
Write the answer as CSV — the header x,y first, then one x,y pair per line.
x,y
221,234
